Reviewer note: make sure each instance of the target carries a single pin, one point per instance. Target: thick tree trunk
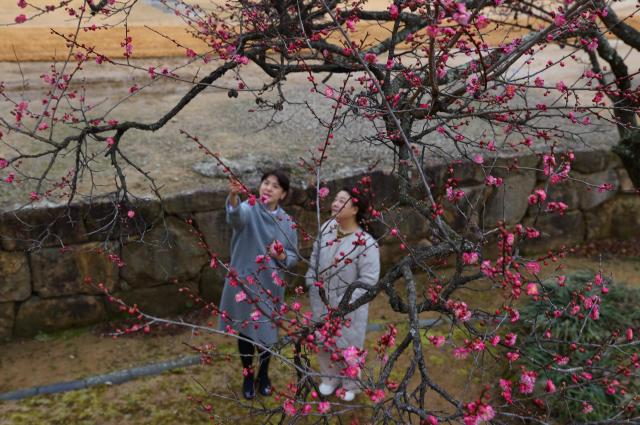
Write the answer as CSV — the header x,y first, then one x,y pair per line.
x,y
628,149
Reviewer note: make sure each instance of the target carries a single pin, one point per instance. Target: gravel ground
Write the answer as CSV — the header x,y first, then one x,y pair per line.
x,y
230,126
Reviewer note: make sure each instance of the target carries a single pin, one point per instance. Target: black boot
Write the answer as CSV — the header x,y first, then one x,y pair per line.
x,y
264,383
248,387
246,349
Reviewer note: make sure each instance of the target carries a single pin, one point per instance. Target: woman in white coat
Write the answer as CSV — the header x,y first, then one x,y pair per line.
x,y
343,254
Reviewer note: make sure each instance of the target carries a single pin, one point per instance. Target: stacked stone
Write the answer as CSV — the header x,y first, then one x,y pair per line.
x,y
44,287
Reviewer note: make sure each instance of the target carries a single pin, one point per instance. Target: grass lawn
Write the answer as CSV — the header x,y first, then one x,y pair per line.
x,y
181,396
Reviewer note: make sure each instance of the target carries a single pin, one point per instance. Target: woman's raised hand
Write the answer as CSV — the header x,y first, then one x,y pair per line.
x,y
235,187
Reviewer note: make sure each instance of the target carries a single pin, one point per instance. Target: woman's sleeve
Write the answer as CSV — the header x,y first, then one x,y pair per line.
x,y
291,249
238,216
310,277
368,268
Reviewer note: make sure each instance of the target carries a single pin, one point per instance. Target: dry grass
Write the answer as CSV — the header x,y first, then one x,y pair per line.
x,y
40,44
34,41
164,399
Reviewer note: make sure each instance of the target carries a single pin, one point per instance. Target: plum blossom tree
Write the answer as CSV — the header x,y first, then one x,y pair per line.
x,y
467,81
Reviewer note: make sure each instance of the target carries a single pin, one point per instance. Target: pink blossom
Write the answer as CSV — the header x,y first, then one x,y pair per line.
x,y
514,315
351,25
21,18
561,86
629,334
559,207
487,269
240,59
462,15
454,195
598,97
131,213
377,396
486,412
539,82
393,11
478,345
241,296
586,408
478,412
506,386
550,387
598,279
432,420
390,64
510,339
470,257
289,407
328,92
22,4
370,58
324,407
559,19
527,381
438,341
493,181
351,355
277,279
460,353
533,267
482,22
512,357
255,315
351,371
460,310
532,233
538,196
532,289
3,163
433,31
478,159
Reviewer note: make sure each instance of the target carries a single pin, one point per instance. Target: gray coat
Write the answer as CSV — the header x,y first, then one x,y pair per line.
x,y
254,228
364,267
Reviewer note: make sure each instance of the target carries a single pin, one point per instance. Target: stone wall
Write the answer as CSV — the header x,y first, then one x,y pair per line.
x,y
44,287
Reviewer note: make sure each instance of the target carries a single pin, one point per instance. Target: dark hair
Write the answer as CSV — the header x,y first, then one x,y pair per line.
x,y
358,199
283,179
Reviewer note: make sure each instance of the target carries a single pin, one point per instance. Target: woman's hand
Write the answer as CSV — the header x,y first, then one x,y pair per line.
x,y
235,188
276,250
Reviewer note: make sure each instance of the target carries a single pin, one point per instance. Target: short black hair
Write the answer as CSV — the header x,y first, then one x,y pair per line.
x,y
283,179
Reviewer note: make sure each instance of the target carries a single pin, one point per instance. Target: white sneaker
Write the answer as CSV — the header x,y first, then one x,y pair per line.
x,y
327,389
349,396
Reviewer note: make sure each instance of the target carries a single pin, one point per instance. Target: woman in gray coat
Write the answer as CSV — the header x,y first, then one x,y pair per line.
x,y
264,243
343,254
